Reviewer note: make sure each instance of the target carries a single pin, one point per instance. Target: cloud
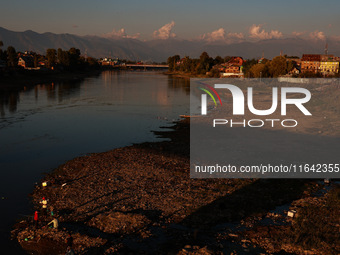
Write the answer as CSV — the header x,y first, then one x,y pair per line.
x,y
165,32
298,34
256,32
317,35
120,34
217,35
335,37
235,35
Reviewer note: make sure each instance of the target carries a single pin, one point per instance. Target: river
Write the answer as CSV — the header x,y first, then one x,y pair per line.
x,y
48,124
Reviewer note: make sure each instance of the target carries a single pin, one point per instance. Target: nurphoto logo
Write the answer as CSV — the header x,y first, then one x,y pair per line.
x,y
239,104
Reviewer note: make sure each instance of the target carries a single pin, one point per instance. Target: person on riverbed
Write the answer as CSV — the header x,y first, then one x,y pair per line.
x,y
69,241
52,211
44,206
36,218
69,251
55,223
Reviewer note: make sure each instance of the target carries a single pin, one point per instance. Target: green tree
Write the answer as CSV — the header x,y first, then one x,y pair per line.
x,y
290,65
227,58
92,62
172,62
205,63
278,66
1,52
36,61
59,55
74,57
259,70
247,66
51,57
12,59
218,60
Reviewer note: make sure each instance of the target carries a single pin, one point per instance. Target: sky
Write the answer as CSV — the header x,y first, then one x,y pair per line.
x,y
193,20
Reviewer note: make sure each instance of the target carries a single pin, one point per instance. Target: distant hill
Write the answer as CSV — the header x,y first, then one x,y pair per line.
x,y
160,50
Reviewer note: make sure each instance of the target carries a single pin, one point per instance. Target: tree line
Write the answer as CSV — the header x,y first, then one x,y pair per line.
x,y
65,59
251,68
202,65
9,56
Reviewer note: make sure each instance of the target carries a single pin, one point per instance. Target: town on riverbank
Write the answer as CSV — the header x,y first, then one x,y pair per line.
x,y
308,66
58,64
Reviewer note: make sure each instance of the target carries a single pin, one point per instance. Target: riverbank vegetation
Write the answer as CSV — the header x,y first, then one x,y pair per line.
x,y
19,70
206,66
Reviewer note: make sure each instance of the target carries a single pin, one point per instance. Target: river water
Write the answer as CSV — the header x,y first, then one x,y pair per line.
x,y
44,126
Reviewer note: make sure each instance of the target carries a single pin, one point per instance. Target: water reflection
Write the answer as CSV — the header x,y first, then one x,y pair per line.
x,y
8,101
182,83
52,92
42,127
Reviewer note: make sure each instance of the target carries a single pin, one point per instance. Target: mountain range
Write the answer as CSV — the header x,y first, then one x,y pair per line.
x,y
159,50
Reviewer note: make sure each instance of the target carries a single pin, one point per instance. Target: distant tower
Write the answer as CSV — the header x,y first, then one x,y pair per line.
x,y
262,54
326,49
281,53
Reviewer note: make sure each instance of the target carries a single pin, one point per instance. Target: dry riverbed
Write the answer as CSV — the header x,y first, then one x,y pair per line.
x,y
141,200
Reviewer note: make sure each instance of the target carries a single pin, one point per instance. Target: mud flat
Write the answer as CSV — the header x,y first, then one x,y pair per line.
x,y
140,200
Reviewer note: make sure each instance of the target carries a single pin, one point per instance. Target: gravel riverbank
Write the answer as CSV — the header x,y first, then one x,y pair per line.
x,y
141,200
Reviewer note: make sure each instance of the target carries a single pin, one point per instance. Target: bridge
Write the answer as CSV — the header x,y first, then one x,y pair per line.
x,y
145,66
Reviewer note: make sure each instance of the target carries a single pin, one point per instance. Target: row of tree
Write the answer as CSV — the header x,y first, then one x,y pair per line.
x,y
202,65
9,55
251,68
276,67
67,59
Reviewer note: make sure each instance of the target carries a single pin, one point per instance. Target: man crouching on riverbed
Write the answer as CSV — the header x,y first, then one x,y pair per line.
x,y
55,223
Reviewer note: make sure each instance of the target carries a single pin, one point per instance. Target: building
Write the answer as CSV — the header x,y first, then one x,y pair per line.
x,y
310,63
329,67
327,57
294,71
110,62
233,68
238,61
26,61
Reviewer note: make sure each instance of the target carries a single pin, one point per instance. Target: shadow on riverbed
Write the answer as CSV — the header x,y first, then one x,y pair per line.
x,y
224,214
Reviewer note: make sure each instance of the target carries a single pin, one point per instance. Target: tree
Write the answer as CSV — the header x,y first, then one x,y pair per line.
x,y
1,52
227,58
51,57
205,63
247,66
187,65
218,60
36,61
92,62
59,55
259,70
12,59
172,62
278,66
74,57
290,65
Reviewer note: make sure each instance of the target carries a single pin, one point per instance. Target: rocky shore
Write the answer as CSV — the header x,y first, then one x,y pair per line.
x,y
140,200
